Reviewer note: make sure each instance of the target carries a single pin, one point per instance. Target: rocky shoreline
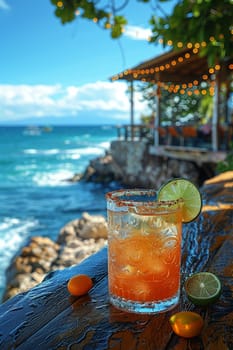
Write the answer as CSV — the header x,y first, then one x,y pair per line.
x,y
83,237
77,240
146,171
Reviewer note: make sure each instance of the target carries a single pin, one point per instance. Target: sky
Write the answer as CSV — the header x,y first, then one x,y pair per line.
x,y
58,74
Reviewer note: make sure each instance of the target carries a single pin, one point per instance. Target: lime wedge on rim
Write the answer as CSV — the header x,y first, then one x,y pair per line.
x,y
203,288
182,188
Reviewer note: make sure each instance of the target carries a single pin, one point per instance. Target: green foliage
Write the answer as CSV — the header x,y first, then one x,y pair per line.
x,y
174,107
147,119
201,21
179,109
118,24
227,164
208,21
206,108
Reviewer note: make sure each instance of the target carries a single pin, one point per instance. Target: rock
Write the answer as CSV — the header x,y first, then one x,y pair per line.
x,y
132,165
76,241
93,226
101,169
76,178
68,232
86,227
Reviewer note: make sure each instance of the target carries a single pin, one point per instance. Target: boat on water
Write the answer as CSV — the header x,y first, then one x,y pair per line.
x,y
34,130
47,129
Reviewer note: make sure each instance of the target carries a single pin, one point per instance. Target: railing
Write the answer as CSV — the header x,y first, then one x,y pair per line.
x,y
185,135
135,132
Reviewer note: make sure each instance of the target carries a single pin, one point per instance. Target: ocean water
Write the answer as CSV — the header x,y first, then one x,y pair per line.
x,y
36,197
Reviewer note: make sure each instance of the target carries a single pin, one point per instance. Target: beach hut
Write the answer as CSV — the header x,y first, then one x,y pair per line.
x,y
183,68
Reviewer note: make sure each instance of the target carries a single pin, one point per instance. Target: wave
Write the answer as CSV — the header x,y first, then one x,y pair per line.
x,y
58,178
13,234
98,149
72,153
30,151
90,150
105,145
12,230
46,152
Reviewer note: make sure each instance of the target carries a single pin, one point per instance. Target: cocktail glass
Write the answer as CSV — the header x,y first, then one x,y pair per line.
x,y
144,250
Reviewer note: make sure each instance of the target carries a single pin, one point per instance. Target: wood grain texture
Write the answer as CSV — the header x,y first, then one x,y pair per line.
x,y
46,317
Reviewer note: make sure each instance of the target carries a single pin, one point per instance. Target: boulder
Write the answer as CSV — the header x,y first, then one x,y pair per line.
x,y
76,241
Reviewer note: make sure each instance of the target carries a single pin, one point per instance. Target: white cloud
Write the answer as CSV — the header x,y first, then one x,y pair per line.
x,y
4,5
137,33
18,102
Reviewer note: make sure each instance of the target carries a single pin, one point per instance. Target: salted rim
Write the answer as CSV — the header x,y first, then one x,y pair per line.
x,y
115,197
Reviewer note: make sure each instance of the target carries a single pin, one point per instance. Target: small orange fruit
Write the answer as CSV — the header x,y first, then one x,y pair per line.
x,y
187,324
79,285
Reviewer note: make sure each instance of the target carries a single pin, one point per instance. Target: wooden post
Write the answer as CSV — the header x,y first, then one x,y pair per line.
x,y
157,116
132,109
215,119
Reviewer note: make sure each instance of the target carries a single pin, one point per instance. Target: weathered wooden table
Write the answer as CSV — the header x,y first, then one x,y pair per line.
x,y
46,317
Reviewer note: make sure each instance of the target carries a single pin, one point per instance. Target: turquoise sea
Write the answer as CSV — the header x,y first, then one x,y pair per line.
x,y
36,197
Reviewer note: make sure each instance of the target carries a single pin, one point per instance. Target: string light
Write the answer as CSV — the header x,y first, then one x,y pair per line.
x,y
136,73
156,69
108,25
188,89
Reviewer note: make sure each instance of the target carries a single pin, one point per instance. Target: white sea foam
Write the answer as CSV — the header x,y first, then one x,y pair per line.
x,y
50,151
74,156
90,150
105,145
95,150
30,151
7,223
58,178
13,234
77,153
46,151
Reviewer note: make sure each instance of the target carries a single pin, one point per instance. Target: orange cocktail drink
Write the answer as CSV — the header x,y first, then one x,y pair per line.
x,y
144,251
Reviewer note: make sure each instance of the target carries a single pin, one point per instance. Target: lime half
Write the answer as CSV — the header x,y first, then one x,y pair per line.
x,y
203,288
185,189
